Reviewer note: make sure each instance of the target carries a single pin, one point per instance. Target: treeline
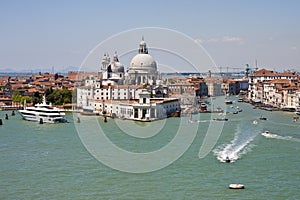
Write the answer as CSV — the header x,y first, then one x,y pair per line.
x,y
56,97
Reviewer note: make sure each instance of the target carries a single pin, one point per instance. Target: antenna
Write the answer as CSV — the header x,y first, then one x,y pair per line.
x,y
256,63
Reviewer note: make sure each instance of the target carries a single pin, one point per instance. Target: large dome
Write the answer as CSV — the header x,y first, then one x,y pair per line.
x,y
143,62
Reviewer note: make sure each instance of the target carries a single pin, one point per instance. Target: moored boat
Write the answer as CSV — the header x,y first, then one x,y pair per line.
x,y
43,113
228,102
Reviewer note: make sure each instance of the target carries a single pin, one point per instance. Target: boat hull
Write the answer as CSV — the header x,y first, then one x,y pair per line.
x,y
44,119
236,186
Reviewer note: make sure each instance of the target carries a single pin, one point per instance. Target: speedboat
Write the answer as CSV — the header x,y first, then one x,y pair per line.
x,y
43,113
220,119
236,186
266,134
227,159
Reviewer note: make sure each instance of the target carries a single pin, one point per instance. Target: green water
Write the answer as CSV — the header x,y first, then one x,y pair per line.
x,y
49,161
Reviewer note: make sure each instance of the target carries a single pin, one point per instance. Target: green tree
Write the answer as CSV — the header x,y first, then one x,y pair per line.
x,y
27,98
60,97
37,98
16,97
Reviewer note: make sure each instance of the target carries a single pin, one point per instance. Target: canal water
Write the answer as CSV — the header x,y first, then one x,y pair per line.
x,y
66,161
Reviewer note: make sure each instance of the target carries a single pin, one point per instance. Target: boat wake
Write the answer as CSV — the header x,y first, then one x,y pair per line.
x,y
198,121
279,137
240,145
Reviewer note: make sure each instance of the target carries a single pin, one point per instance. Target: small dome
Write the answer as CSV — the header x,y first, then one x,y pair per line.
x,y
117,67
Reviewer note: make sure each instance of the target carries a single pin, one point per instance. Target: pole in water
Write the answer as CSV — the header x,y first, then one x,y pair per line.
x,y
1,122
6,116
78,120
105,120
13,113
41,121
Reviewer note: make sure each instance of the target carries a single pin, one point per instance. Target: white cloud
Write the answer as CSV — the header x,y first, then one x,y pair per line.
x,y
199,41
238,40
294,48
224,39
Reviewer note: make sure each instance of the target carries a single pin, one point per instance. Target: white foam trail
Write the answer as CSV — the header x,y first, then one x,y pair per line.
x,y
279,137
236,148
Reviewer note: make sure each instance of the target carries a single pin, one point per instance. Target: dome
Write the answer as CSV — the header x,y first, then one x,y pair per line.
x,y
143,62
117,67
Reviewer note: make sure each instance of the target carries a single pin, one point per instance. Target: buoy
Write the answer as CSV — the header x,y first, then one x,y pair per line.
x,y
41,121
236,186
1,122
6,116
13,113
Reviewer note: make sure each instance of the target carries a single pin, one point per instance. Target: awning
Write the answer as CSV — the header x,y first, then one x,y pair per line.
x,y
256,101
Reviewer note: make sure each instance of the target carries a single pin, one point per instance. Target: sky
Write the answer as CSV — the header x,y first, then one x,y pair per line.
x,y
58,35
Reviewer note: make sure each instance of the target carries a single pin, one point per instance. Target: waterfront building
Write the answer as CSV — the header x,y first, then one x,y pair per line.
x,y
280,90
258,78
230,86
144,108
184,91
214,86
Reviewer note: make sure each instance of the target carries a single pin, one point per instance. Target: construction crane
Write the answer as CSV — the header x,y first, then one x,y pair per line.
x,y
250,69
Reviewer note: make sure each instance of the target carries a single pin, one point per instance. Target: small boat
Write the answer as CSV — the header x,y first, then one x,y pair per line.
x,y
262,118
297,113
228,102
266,134
236,186
235,112
227,159
220,119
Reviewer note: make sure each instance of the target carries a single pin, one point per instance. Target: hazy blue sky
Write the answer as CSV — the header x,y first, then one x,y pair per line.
x,y
39,34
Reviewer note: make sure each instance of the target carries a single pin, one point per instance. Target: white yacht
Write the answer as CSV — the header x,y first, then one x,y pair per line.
x,y
43,113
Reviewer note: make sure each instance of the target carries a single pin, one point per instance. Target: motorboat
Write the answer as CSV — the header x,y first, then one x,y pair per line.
x,y
262,118
236,186
266,134
43,113
227,159
220,119
228,102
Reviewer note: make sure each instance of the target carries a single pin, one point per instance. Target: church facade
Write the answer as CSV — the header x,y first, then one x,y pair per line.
x,y
132,94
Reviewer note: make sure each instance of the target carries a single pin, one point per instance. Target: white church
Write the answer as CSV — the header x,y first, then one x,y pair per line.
x,y
136,93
